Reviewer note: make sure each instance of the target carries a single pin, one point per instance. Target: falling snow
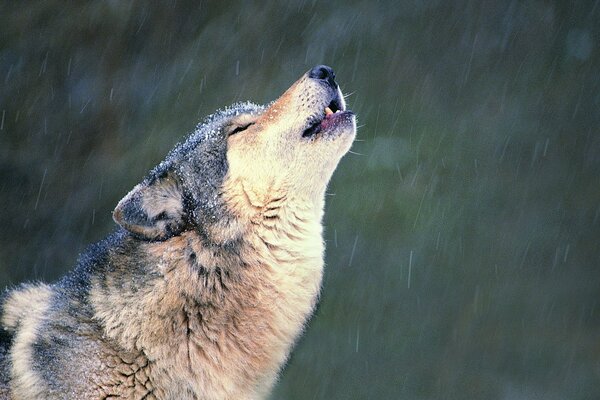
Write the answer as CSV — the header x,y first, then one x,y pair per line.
x,y
462,240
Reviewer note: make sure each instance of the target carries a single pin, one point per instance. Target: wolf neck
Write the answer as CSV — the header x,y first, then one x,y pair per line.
x,y
281,230
237,308
290,234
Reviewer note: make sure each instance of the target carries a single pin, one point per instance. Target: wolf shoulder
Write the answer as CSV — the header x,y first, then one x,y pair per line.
x,y
51,343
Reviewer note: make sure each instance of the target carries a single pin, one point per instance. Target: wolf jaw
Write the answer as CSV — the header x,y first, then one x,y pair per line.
x,y
329,118
213,273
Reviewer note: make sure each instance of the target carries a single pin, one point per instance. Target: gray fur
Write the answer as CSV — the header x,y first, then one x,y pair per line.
x,y
199,165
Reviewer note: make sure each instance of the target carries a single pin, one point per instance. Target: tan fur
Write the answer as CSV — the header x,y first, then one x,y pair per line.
x,y
287,165
208,313
256,318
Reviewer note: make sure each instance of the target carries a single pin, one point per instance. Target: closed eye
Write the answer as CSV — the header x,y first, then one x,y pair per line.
x,y
240,128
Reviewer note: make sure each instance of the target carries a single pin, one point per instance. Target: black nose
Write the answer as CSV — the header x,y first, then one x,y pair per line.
x,y
323,73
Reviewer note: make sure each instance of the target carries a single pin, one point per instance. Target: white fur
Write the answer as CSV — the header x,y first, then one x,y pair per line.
x,y
24,312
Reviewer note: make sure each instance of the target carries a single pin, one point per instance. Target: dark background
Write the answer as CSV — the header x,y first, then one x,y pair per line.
x,y
463,240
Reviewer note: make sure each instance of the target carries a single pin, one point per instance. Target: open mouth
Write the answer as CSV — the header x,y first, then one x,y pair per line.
x,y
330,118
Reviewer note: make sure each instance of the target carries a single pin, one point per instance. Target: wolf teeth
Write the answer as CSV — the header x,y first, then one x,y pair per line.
x,y
328,111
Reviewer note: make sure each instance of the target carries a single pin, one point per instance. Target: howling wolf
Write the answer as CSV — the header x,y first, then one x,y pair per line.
x,y
211,275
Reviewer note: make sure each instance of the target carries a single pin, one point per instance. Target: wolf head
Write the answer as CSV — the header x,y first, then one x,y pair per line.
x,y
242,159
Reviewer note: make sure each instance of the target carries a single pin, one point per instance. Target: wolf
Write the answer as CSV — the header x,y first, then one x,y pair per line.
x,y
211,274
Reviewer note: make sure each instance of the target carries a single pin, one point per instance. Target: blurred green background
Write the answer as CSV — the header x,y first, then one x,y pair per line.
x,y
463,239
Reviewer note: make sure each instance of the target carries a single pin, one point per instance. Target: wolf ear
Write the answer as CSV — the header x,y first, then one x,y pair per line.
x,y
154,210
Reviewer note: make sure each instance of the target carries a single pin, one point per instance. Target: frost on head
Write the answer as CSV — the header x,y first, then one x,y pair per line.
x,y
182,191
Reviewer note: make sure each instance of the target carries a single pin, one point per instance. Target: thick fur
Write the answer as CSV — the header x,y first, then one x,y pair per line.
x,y
211,276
